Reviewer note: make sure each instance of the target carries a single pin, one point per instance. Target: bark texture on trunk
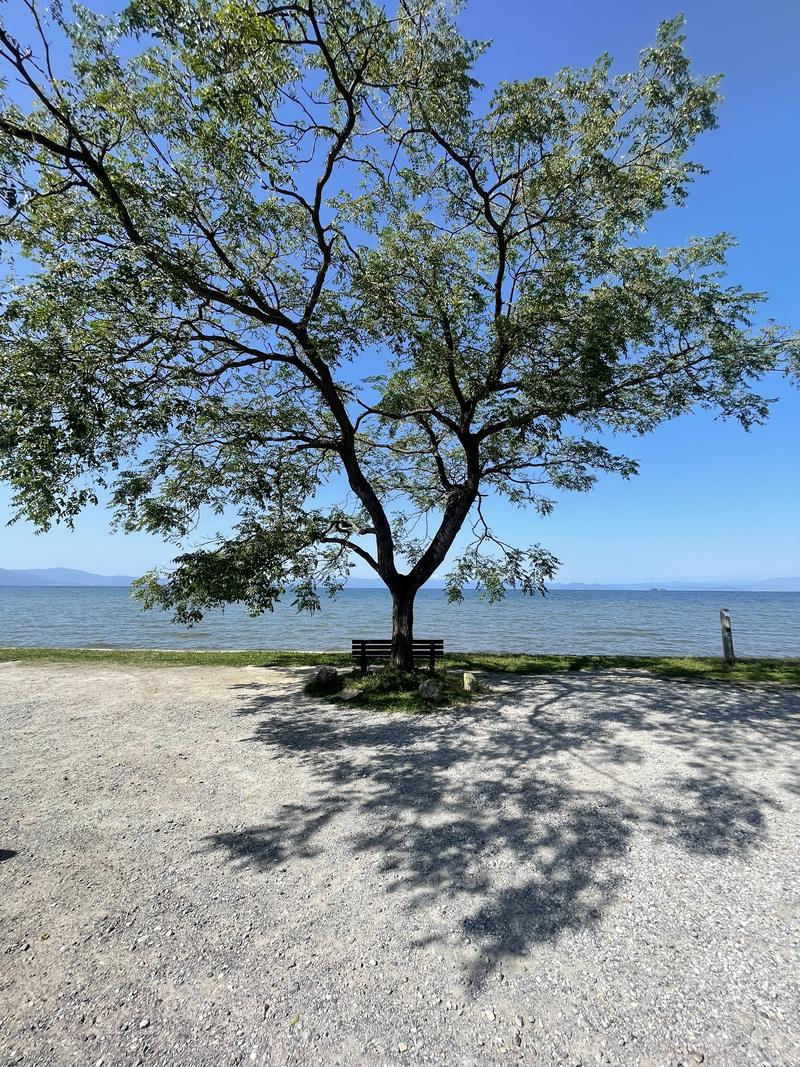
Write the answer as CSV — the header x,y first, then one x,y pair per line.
x,y
403,629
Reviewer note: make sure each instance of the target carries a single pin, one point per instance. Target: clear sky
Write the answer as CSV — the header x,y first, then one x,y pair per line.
x,y
711,502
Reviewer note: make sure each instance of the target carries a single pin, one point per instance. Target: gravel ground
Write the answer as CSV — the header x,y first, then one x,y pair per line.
x,y
202,866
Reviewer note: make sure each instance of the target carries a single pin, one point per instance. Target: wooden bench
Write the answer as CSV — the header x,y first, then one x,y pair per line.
x,y
377,649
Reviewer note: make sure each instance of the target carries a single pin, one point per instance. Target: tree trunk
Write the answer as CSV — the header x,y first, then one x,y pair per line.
x,y
403,628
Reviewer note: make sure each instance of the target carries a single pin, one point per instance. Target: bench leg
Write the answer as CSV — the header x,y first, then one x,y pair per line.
x,y
363,660
432,660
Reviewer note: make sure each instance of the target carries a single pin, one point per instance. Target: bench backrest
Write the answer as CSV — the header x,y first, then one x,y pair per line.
x,y
378,647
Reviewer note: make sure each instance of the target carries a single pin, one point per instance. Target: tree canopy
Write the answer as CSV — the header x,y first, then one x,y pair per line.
x,y
255,248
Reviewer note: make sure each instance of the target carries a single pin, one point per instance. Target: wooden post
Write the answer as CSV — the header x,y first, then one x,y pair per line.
x,y
727,636
363,659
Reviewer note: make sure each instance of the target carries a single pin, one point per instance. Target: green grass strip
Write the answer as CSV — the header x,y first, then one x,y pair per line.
x,y
783,671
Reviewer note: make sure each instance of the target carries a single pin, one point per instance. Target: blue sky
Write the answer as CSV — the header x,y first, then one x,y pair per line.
x,y
711,501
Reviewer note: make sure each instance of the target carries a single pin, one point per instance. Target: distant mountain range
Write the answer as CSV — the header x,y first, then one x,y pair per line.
x,y
66,576
766,585
60,576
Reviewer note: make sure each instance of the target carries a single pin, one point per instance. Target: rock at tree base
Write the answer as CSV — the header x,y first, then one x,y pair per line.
x,y
431,689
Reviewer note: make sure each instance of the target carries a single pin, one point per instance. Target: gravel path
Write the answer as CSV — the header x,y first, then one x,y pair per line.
x,y
201,866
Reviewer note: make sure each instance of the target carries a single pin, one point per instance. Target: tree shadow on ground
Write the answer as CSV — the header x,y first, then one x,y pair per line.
x,y
521,808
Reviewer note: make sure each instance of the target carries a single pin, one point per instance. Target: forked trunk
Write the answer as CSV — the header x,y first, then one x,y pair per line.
x,y
404,586
403,629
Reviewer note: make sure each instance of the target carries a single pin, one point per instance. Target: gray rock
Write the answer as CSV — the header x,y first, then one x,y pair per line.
x,y
471,683
349,694
324,675
431,689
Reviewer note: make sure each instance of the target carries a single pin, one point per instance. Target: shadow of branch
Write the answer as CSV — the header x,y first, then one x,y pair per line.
x,y
490,807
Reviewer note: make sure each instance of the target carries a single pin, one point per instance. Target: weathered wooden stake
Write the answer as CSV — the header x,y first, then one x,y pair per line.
x,y
727,636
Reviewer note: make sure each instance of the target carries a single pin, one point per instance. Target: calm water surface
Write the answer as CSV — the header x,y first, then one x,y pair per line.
x,y
655,623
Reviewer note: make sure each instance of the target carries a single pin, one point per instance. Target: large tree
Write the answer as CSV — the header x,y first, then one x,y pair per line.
x,y
260,248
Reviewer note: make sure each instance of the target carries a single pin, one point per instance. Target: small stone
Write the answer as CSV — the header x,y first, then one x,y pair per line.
x,y
144,1024
471,683
517,1038
698,1057
348,693
402,1047
490,1015
519,1021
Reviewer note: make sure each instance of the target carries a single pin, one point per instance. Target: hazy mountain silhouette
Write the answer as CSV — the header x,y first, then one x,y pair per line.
x,y
67,576
60,576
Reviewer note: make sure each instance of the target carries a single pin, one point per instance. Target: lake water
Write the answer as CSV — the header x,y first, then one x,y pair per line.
x,y
647,623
